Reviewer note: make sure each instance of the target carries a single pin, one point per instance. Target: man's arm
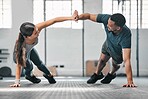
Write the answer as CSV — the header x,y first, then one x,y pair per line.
x,y
88,16
128,69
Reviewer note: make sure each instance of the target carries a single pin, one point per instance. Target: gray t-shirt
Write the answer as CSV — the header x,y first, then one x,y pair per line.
x,y
115,43
29,47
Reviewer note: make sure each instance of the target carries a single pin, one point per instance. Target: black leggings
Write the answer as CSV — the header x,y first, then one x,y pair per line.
x,y
34,57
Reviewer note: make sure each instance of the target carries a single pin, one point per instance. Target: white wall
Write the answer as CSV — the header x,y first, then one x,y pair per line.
x,y
64,46
21,12
143,68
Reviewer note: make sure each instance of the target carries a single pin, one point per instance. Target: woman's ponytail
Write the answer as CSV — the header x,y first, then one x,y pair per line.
x,y
20,50
26,29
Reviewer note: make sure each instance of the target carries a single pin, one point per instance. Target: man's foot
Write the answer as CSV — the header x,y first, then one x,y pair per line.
x,y
109,77
33,79
1,77
95,77
50,79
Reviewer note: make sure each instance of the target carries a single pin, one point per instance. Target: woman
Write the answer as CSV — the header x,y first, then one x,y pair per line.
x,y
25,54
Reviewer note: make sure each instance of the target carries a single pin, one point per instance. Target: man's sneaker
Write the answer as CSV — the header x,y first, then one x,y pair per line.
x,y
1,77
95,77
50,79
109,77
33,79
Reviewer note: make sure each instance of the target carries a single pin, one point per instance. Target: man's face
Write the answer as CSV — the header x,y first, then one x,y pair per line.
x,y
112,27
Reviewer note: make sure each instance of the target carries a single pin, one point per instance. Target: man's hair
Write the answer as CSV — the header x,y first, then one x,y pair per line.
x,y
119,19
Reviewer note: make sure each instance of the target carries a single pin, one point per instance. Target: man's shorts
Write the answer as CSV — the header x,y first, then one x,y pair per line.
x,y
118,59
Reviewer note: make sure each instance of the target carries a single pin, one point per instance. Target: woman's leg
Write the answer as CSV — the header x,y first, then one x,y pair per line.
x,y
28,68
28,72
37,61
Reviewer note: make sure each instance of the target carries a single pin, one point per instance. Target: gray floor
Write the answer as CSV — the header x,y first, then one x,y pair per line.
x,y
74,88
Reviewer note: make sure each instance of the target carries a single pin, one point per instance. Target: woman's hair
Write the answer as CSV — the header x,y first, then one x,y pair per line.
x,y
119,19
26,29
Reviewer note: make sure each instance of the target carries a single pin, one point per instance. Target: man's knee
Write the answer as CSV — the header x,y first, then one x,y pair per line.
x,y
115,65
101,63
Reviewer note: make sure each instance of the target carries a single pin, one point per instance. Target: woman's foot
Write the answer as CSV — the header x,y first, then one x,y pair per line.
x,y
50,79
33,79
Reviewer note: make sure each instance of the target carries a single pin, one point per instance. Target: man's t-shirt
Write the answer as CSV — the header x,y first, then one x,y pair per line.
x,y
115,43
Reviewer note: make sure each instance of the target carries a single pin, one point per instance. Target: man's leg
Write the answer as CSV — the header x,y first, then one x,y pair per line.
x,y
101,63
114,68
110,76
98,74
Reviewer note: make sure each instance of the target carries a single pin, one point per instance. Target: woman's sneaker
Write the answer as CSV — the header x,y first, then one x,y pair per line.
x,y
94,78
33,79
109,77
50,79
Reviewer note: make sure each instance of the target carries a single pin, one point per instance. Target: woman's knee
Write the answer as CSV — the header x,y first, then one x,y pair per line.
x,y
40,65
29,65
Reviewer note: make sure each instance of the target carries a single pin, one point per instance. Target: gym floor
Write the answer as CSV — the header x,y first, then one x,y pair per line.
x,y
73,88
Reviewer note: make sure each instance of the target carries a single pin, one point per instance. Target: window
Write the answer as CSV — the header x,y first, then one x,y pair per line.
x,y
5,13
56,8
38,11
144,14
129,9
107,7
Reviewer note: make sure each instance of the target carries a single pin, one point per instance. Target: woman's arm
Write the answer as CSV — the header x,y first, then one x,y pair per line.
x,y
17,77
47,23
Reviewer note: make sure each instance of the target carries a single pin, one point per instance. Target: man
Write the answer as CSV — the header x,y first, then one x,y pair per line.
x,y
116,46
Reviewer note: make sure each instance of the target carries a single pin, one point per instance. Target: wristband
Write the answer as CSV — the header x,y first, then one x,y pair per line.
x,y
17,81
